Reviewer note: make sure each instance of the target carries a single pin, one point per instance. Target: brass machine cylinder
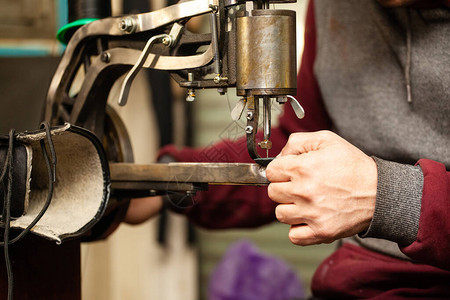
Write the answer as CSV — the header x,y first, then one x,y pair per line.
x,y
266,53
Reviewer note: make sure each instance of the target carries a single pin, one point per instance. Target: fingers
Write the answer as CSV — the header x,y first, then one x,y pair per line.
x,y
294,158
303,235
300,232
289,214
325,187
282,192
306,228
276,171
283,168
306,235
304,142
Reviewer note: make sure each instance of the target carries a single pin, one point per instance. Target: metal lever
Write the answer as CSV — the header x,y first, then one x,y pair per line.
x,y
167,39
126,84
298,109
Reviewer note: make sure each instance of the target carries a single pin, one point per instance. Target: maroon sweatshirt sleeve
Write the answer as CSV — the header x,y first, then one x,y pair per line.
x,y
432,245
248,206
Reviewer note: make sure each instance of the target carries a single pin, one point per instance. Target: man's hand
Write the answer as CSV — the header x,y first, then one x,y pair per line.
x,y
326,188
142,209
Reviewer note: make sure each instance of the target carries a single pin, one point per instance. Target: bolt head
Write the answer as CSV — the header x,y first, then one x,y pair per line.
x,y
166,41
105,57
249,115
123,25
127,25
282,99
249,129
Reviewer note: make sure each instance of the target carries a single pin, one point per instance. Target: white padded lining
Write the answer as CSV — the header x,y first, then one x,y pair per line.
x,y
79,187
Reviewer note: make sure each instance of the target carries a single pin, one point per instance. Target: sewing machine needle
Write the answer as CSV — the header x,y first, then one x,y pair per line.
x,y
266,123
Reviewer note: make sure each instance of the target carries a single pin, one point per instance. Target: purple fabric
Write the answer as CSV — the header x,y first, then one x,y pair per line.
x,y
245,273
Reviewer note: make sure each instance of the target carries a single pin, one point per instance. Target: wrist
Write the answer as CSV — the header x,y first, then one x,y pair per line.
x,y
398,202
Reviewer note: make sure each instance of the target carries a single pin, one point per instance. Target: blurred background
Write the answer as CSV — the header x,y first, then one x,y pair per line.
x,y
166,257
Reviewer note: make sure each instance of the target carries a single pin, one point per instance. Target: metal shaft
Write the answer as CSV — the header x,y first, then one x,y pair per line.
x,y
266,123
215,42
266,117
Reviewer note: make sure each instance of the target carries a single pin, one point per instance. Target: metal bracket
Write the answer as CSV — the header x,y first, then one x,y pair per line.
x,y
162,178
252,129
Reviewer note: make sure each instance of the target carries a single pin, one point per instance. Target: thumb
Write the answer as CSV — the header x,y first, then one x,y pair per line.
x,y
303,142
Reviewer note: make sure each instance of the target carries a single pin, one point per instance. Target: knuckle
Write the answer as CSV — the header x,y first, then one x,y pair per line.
x,y
270,191
293,137
313,191
297,193
306,192
327,135
280,214
291,169
309,163
295,239
312,214
269,172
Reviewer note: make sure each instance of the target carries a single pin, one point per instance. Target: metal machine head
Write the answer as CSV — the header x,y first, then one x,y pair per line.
x,y
249,46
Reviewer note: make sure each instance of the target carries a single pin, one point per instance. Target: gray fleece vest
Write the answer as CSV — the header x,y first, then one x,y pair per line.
x,y
384,75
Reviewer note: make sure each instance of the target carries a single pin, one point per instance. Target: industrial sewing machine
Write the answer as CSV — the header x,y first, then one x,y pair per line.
x,y
250,47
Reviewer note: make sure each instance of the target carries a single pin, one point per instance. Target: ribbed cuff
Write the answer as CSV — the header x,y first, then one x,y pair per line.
x,y
398,203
